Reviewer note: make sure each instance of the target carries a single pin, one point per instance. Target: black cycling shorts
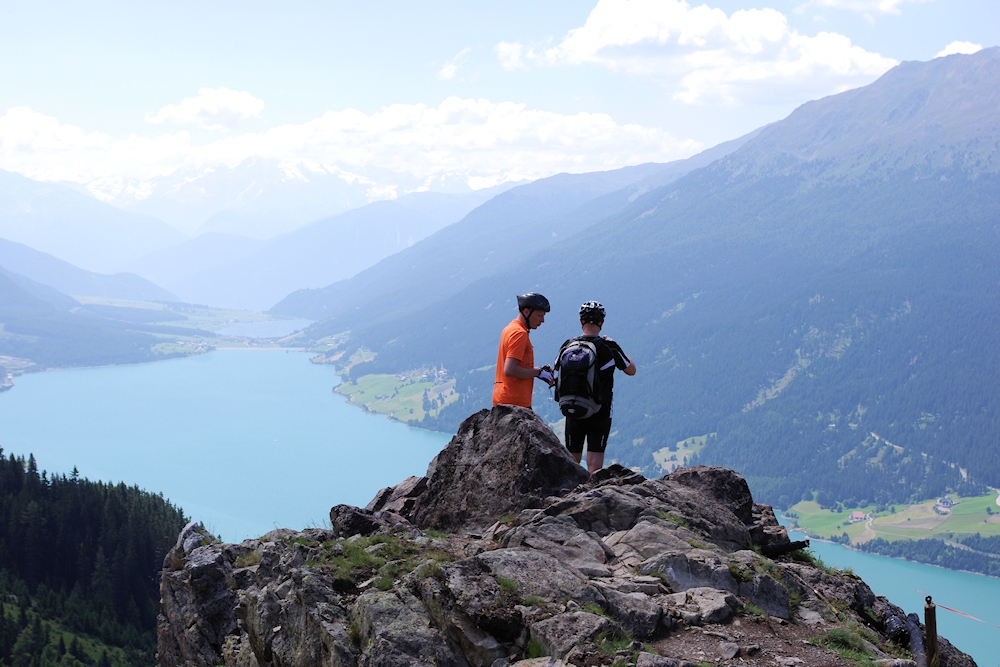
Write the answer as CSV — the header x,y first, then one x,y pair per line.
x,y
594,430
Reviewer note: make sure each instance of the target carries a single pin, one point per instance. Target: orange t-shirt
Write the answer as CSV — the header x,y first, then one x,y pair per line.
x,y
514,344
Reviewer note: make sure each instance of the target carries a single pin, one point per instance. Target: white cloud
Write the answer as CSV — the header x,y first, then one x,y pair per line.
x,y
863,6
509,54
451,67
965,48
212,109
705,55
470,139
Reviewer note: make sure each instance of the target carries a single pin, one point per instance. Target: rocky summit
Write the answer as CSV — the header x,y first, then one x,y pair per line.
x,y
508,551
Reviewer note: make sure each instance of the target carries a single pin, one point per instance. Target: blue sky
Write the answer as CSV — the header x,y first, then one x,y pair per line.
x,y
94,92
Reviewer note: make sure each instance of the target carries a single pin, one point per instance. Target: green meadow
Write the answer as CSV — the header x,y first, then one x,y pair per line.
x,y
979,514
407,397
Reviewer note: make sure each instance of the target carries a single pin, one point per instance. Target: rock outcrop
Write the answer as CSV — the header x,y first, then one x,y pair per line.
x,y
508,551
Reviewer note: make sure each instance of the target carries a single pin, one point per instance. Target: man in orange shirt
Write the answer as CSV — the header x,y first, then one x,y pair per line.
x,y
516,371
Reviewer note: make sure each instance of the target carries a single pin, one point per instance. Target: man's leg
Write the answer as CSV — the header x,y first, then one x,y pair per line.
x,y
575,437
597,441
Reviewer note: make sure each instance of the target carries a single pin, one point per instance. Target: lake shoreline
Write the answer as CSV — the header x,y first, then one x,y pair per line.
x,y
875,553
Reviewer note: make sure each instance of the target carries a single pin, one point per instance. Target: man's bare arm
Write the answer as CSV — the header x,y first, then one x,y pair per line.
x,y
630,369
512,368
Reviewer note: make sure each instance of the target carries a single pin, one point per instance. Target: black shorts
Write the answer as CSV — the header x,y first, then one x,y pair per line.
x,y
594,430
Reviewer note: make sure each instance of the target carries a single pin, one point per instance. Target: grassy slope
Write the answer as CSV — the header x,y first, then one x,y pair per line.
x,y
909,522
399,396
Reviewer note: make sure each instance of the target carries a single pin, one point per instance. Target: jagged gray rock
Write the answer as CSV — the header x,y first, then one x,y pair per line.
x,y
500,462
559,635
559,563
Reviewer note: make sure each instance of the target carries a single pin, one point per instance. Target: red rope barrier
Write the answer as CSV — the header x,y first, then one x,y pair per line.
x,y
960,613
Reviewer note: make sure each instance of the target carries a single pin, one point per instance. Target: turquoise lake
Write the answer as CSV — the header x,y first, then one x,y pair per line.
x,y
899,581
244,441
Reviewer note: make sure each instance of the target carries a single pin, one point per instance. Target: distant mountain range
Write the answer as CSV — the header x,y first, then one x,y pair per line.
x,y
43,268
74,227
235,271
820,304
505,230
261,198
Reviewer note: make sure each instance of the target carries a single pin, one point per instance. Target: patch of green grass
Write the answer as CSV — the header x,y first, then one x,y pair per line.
x,y
534,650
534,601
609,643
430,570
355,559
435,534
739,573
752,609
672,518
794,600
354,632
508,586
248,559
846,643
593,608
804,556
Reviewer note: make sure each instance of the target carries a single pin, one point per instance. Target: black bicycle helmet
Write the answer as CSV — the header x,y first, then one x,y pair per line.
x,y
592,313
534,301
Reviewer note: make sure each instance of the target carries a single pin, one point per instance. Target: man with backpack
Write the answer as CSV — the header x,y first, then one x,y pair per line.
x,y
516,371
585,367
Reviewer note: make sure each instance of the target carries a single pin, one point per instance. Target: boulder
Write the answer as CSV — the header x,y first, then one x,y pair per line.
x,y
398,499
538,574
395,630
721,485
654,660
559,635
348,520
197,606
635,612
500,462
715,606
560,537
696,568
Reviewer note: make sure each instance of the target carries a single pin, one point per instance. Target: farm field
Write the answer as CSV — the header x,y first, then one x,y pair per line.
x,y
401,397
967,516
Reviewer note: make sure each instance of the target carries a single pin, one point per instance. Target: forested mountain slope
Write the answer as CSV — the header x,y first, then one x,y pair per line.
x,y
81,554
824,300
50,329
500,233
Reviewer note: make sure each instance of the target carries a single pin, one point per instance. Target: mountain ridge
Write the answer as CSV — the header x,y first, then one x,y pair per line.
x,y
76,228
559,204
68,279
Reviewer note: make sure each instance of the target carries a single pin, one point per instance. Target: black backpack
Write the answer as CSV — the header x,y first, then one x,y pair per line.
x,y
577,385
